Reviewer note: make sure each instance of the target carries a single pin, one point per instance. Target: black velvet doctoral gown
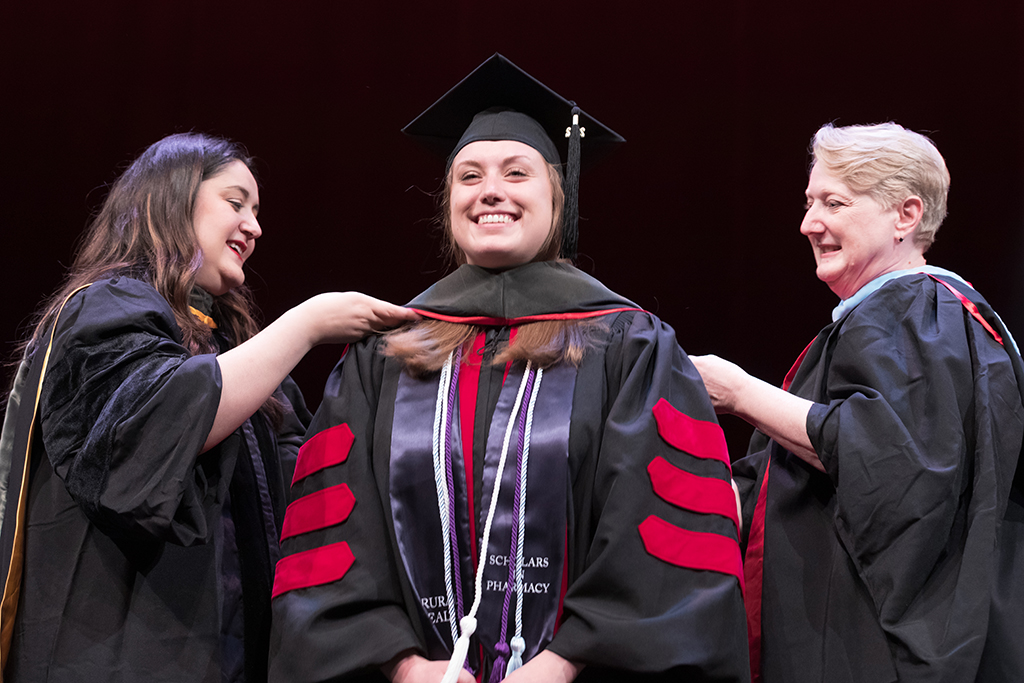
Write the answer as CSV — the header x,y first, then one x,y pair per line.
x,y
902,560
126,560
651,574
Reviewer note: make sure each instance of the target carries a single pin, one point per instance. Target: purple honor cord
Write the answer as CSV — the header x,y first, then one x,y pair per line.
x,y
498,671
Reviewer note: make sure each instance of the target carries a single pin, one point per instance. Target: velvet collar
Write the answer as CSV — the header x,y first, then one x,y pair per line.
x,y
536,291
201,300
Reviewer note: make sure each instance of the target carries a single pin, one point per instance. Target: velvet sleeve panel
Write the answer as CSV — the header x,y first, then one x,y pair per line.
x,y
125,412
919,403
625,607
328,629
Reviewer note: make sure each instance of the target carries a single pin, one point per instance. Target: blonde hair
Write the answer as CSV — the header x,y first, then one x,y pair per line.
x,y
889,163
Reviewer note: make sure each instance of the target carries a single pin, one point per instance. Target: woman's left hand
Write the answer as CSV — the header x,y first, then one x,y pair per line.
x,y
546,667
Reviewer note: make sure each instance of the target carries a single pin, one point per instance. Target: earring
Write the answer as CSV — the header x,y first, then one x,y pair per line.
x,y
901,239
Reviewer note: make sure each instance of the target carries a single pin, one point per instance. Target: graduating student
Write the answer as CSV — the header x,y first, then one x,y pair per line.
x,y
150,433
532,477
886,523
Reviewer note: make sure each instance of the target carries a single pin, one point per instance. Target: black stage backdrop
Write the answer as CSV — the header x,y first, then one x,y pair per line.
x,y
696,218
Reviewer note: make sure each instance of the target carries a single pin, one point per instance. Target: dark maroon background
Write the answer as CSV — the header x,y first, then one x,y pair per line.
x,y
696,218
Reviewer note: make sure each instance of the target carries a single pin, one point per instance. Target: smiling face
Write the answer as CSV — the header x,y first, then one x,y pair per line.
x,y
501,203
855,239
225,226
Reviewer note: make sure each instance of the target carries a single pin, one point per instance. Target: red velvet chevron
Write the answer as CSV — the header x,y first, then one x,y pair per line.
x,y
698,438
312,568
318,510
329,447
691,549
690,492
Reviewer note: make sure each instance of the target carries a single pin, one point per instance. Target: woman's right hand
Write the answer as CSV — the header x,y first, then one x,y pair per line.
x,y
725,382
345,317
412,668
775,412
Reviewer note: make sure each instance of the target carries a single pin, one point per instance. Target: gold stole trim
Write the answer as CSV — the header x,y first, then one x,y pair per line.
x,y
12,589
203,318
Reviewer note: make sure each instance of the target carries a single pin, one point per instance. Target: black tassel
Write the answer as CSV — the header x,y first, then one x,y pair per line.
x,y
571,215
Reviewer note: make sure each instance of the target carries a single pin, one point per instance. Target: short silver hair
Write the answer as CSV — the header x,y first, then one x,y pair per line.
x,y
889,163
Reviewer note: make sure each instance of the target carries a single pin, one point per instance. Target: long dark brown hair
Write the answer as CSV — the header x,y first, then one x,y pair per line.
x,y
145,230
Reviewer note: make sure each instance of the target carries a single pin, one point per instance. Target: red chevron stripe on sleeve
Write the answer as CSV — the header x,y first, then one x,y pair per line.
x,y
329,447
690,492
318,510
314,567
691,549
698,438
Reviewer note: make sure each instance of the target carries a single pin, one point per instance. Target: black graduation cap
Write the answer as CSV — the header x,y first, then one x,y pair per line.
x,y
500,101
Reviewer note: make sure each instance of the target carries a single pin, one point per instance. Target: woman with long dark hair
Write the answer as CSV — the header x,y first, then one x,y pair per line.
x,y
150,432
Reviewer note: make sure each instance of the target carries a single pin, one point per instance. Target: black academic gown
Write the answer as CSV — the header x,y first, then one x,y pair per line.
x,y
133,563
901,561
642,553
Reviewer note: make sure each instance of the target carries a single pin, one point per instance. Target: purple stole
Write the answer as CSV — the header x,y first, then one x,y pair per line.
x,y
418,527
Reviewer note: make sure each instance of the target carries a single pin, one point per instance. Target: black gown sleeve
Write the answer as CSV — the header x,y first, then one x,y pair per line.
x,y
294,424
748,473
921,408
655,576
125,412
338,602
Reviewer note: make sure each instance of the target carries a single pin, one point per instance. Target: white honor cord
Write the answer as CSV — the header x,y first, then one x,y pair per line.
x,y
468,624
441,483
517,644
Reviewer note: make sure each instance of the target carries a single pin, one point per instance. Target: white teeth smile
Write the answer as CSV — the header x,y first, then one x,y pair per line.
x,y
238,249
495,218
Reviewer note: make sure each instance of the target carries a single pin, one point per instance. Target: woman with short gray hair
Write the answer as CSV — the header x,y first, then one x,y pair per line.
x,y
882,512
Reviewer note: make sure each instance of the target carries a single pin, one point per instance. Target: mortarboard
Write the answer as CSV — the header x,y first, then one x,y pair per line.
x,y
500,101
